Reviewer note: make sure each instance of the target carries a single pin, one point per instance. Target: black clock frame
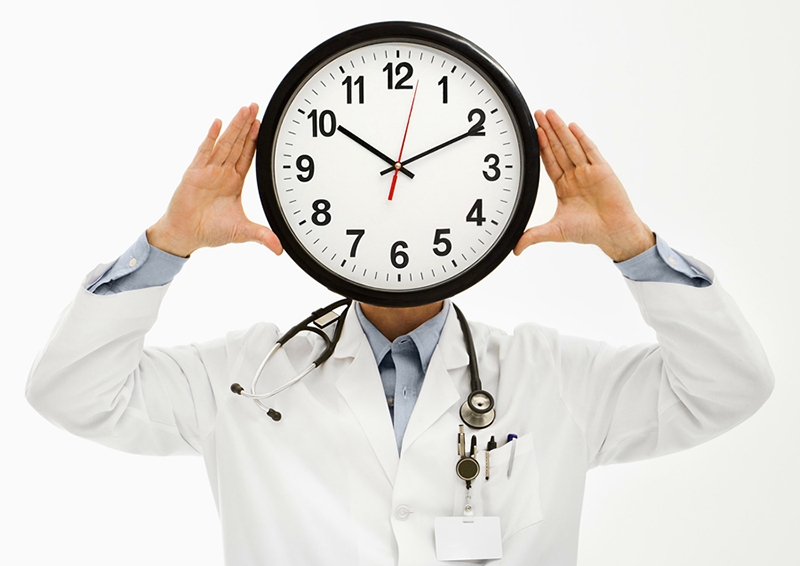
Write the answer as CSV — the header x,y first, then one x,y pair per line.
x,y
415,33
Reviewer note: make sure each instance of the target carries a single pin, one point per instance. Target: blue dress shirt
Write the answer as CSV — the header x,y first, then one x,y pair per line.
x,y
141,266
402,363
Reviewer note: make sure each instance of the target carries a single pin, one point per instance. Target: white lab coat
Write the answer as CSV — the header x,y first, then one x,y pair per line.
x,y
325,485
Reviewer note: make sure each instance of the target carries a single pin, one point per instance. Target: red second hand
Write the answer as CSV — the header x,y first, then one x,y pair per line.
x,y
399,159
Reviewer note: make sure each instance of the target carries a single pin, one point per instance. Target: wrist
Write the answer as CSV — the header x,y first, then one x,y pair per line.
x,y
161,237
626,246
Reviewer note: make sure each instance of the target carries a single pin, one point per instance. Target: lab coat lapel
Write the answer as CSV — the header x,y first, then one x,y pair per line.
x,y
360,385
439,391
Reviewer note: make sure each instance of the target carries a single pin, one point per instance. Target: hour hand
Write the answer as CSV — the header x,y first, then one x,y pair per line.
x,y
373,150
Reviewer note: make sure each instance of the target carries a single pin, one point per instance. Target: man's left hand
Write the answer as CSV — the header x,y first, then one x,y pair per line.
x,y
593,207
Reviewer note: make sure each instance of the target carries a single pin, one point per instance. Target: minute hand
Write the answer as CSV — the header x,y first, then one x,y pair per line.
x,y
471,132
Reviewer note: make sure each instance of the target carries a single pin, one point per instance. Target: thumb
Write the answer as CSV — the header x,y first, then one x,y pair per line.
x,y
253,232
549,232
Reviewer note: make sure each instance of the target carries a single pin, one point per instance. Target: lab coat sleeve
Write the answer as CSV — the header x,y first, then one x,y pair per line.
x,y
95,379
707,373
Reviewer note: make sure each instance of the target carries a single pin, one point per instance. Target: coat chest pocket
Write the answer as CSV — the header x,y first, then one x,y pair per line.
x,y
514,499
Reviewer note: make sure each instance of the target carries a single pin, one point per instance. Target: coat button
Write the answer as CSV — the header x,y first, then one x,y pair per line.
x,y
402,512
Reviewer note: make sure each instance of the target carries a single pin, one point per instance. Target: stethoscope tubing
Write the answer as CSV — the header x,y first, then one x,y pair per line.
x,y
277,390
302,326
473,416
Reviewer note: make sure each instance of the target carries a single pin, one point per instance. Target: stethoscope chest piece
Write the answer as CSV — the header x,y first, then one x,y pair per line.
x,y
478,410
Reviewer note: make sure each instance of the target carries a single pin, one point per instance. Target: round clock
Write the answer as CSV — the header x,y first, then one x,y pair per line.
x,y
398,164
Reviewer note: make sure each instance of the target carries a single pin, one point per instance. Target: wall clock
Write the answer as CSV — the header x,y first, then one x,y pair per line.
x,y
397,163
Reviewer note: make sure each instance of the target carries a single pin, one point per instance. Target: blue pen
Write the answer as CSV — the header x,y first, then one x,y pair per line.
x,y
512,439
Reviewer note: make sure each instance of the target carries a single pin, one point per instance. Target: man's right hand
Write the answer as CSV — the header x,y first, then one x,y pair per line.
x,y
206,209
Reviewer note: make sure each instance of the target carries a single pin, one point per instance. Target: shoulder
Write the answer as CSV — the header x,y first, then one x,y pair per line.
x,y
258,332
259,337
257,340
527,337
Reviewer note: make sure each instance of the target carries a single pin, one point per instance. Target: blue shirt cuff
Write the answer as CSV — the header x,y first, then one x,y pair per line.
x,y
663,264
141,266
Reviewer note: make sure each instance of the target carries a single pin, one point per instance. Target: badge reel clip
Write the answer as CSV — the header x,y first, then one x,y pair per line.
x,y
468,537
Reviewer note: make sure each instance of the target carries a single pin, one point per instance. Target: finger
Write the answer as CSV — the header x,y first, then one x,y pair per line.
x,y
241,139
228,138
556,146
552,167
204,151
568,140
252,232
592,153
243,165
549,232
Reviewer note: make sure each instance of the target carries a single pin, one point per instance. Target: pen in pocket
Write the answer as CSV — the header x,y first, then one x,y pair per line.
x,y
512,438
489,447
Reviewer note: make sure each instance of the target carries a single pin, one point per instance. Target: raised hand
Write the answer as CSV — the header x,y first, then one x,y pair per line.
x,y
206,208
593,207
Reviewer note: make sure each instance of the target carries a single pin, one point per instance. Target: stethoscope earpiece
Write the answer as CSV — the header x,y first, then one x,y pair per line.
x,y
271,413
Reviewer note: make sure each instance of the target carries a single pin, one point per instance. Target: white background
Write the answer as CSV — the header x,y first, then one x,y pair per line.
x,y
693,102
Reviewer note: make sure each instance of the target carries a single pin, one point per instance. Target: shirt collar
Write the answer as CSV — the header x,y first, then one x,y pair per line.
x,y
425,336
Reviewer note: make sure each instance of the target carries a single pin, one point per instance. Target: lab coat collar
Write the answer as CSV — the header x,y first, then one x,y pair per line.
x,y
351,338
451,345
439,391
361,387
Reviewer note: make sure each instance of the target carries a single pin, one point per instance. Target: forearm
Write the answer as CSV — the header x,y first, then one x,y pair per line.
x,y
95,379
707,373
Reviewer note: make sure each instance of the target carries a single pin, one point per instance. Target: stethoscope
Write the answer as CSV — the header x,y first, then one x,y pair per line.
x,y
477,411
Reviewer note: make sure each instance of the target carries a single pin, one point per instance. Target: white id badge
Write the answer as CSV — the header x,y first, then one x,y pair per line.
x,y
468,538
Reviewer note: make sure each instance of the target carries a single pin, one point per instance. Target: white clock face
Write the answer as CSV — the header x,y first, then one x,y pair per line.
x,y
337,180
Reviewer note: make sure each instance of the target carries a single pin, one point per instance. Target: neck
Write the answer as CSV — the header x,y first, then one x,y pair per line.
x,y
395,322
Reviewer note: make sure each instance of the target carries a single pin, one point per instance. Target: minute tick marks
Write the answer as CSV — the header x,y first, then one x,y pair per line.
x,y
335,178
